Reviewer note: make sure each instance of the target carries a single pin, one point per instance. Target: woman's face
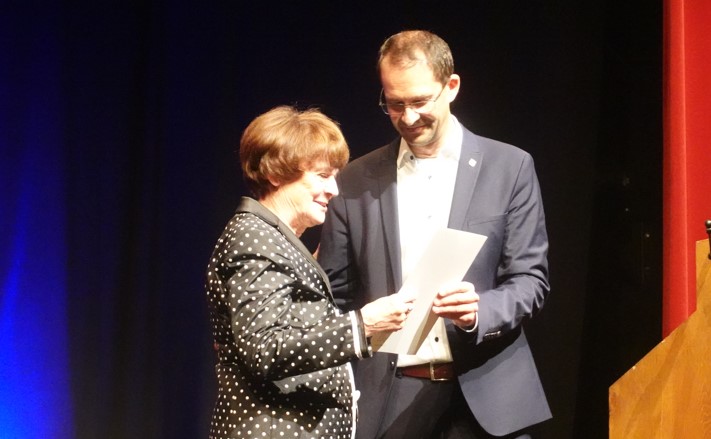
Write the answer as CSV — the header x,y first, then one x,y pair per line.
x,y
305,200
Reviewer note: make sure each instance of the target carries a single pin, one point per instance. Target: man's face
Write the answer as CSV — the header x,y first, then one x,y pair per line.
x,y
423,131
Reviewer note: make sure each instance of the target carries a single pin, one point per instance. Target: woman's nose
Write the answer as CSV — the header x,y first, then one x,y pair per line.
x,y
331,186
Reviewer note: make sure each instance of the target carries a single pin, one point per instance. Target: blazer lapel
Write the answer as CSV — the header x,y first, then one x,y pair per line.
x,y
307,254
470,161
387,182
253,206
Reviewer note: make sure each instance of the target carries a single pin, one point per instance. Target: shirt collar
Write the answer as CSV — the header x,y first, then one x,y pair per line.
x,y
451,150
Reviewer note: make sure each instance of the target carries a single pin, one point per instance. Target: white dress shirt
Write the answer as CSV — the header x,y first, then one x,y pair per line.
x,y
424,192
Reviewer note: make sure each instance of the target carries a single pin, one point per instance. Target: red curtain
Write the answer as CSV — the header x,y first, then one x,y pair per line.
x,y
687,150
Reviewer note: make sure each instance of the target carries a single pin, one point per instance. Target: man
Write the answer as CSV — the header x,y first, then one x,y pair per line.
x,y
474,377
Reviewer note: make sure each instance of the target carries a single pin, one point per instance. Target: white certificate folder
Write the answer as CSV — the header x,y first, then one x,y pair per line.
x,y
445,260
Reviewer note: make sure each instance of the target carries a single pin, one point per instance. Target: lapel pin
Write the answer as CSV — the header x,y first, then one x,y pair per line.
x,y
472,162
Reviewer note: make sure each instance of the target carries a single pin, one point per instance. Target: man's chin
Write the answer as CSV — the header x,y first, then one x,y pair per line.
x,y
416,138
417,142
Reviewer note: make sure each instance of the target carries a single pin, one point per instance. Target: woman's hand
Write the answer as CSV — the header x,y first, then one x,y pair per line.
x,y
387,314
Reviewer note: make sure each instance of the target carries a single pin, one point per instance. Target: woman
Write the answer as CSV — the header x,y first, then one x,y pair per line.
x,y
283,347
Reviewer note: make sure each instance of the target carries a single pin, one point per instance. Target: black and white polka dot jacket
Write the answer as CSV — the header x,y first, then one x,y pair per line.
x,y
283,347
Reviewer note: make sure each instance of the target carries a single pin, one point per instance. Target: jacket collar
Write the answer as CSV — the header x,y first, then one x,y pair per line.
x,y
250,205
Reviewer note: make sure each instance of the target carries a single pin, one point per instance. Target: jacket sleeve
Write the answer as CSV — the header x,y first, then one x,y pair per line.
x,y
521,284
282,326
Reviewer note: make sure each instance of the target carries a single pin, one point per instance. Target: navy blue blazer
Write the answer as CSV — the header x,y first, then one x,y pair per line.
x,y
496,194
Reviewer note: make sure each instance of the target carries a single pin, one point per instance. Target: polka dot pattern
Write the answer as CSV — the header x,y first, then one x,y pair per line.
x,y
283,347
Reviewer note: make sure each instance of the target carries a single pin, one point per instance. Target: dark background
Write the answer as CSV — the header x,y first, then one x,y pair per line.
x,y
134,111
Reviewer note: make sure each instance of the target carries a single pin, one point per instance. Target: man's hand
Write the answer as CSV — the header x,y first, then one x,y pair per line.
x,y
459,303
387,314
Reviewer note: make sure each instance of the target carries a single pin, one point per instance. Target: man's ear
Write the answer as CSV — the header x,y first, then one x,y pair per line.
x,y
453,85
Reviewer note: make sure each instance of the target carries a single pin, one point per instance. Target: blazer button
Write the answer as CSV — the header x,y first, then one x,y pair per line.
x,y
392,365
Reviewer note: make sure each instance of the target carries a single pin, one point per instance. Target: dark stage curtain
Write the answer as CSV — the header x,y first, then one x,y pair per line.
x,y
118,126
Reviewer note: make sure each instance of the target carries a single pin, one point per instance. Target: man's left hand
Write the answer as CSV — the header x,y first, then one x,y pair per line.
x,y
459,303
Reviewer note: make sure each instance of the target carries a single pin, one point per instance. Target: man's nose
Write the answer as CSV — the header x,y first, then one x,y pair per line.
x,y
410,116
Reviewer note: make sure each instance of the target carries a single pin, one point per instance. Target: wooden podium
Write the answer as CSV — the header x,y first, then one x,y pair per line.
x,y
667,395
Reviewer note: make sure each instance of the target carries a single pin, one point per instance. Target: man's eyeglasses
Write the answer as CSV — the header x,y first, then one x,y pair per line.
x,y
397,108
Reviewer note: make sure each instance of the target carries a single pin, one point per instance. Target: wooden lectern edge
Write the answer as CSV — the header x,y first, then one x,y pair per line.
x,y
703,275
668,392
